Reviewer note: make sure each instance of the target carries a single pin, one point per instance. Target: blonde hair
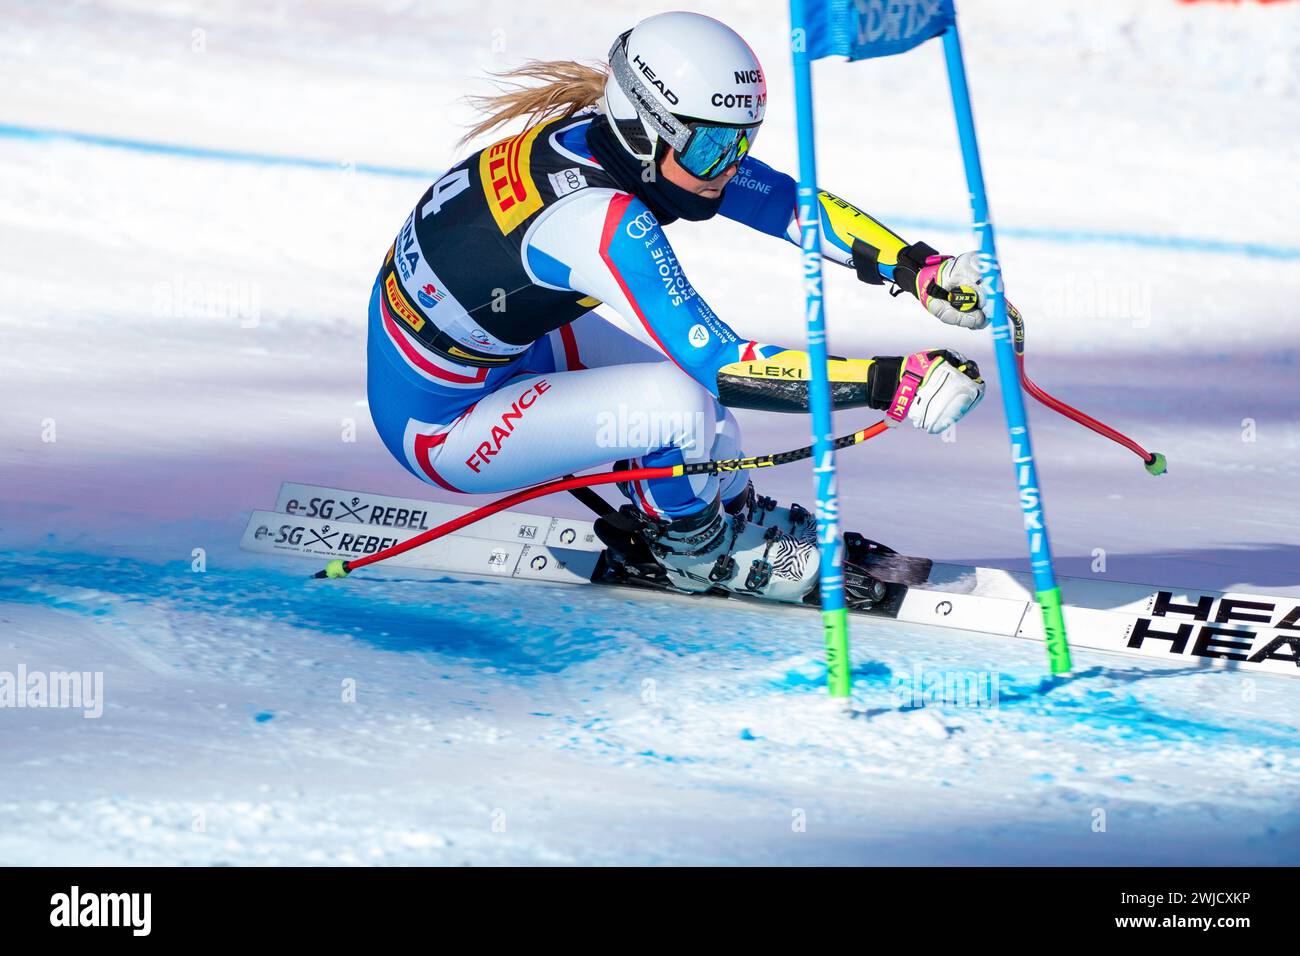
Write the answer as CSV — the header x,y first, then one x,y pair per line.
x,y
567,87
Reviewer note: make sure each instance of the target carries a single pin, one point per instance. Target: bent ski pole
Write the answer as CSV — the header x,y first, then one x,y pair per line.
x,y
1155,462
339,568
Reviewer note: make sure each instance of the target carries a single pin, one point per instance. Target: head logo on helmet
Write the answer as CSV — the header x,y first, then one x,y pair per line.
x,y
657,83
689,82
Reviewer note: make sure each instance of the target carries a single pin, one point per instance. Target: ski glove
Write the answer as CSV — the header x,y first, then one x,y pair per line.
x,y
932,389
949,288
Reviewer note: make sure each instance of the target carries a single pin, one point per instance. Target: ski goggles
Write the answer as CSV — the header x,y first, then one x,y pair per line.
x,y
704,149
711,149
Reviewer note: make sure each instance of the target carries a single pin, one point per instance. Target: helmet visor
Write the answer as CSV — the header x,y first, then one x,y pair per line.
x,y
711,149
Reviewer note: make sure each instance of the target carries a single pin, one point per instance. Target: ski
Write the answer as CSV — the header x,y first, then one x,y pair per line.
x,y
389,514
523,554
1203,628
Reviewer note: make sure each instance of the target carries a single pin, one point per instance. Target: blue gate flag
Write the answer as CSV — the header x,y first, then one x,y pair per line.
x,y
861,29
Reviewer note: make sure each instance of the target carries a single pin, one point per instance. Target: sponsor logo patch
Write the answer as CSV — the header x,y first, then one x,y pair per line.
x,y
566,181
408,257
503,168
429,295
642,225
399,306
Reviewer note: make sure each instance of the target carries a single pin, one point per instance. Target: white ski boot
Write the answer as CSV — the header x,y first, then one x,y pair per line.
x,y
751,547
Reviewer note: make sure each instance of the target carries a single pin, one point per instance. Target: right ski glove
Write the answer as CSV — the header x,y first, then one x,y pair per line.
x,y
952,289
933,389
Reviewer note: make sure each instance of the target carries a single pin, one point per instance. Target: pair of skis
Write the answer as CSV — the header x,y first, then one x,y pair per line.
x,y
348,527
1170,626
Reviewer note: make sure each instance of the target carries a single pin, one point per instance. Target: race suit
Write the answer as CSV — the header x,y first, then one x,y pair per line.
x,y
489,371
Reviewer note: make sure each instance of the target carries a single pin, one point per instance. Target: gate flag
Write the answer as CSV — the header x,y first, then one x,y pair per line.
x,y
861,29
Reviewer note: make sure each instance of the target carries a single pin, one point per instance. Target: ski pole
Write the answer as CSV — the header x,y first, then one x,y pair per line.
x,y
1033,511
338,568
1155,462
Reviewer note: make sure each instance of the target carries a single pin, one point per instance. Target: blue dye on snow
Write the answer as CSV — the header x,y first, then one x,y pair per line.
x,y
403,616
872,671
662,758
443,621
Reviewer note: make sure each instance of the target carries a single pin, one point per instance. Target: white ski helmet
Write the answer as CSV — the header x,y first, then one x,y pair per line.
x,y
690,82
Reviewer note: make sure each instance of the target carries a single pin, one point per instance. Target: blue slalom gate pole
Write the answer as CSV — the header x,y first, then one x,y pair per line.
x,y
834,616
1013,402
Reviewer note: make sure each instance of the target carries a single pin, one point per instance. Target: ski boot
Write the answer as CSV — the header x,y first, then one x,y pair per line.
x,y
750,547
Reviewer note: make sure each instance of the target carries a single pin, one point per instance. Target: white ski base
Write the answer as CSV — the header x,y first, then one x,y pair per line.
x,y
1202,628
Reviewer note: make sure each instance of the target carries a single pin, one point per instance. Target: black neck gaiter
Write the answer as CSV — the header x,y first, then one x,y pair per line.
x,y
667,201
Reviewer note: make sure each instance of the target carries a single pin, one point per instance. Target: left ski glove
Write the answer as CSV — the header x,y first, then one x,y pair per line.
x,y
949,288
932,389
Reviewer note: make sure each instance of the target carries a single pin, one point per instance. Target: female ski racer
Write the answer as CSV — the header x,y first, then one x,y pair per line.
x,y
489,371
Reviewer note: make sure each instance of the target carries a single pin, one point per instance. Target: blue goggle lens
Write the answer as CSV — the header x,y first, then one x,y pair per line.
x,y
713,148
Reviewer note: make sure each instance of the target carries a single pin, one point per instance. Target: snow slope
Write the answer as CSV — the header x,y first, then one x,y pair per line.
x,y
189,332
